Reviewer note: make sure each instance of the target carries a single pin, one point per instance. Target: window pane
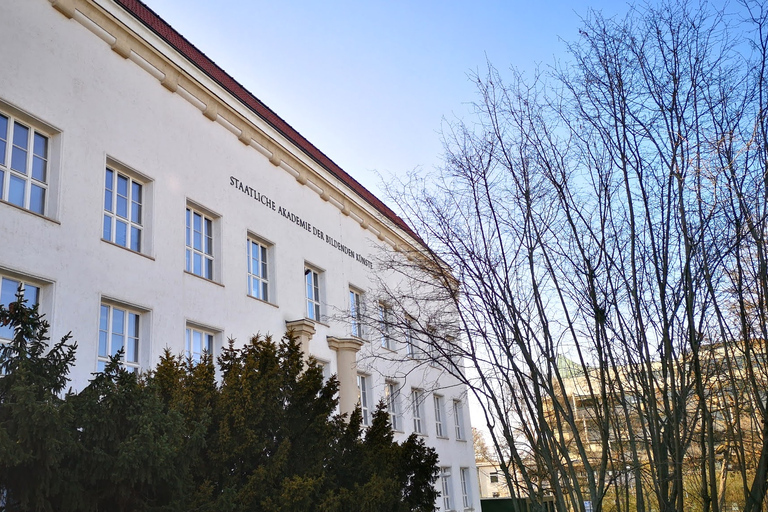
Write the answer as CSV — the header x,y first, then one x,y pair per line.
x,y
136,239
133,325
3,136
107,231
118,321
208,347
264,295
117,343
102,343
121,233
197,342
136,212
122,206
208,268
132,350
2,183
37,199
38,168
16,191
41,146
122,185
32,294
20,135
19,160
198,264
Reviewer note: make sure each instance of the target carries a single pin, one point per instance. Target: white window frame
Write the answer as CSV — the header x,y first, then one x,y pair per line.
x,y
356,312
36,173
207,339
447,491
385,322
137,211
9,285
458,418
466,488
417,405
363,392
439,415
313,292
259,282
410,337
107,335
326,366
392,395
205,249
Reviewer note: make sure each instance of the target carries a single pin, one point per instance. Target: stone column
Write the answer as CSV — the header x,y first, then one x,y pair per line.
x,y
303,329
346,362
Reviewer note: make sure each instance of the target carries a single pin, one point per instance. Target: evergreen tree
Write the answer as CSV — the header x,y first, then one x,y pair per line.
x,y
264,436
35,420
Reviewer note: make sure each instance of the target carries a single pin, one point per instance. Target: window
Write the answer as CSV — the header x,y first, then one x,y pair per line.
x,y
384,324
326,366
199,243
458,417
258,270
8,289
198,342
24,156
119,329
439,415
417,403
392,395
312,279
363,385
466,489
123,210
410,337
445,477
356,312
495,477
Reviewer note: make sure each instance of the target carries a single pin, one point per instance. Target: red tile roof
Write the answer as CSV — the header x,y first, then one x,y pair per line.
x,y
155,23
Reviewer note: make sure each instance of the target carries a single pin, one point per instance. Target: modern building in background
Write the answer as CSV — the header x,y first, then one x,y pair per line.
x,y
148,201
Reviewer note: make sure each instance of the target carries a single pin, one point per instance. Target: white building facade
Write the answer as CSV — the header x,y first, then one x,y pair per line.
x,y
148,201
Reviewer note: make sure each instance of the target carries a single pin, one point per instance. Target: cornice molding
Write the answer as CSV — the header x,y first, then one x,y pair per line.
x,y
164,63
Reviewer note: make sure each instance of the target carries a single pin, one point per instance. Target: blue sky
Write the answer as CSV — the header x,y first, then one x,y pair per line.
x,y
370,82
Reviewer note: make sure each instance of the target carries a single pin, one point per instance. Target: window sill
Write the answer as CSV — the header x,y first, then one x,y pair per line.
x,y
34,214
318,322
128,249
443,437
202,278
265,302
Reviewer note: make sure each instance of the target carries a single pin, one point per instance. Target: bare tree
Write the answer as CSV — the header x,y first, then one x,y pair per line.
x,y
601,233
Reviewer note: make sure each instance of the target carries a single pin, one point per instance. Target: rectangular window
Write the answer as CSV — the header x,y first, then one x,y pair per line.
x,y
23,165
199,244
385,321
466,487
417,404
439,415
356,313
312,280
198,342
119,329
123,210
363,386
445,477
8,289
392,395
258,270
458,417
410,337
495,477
